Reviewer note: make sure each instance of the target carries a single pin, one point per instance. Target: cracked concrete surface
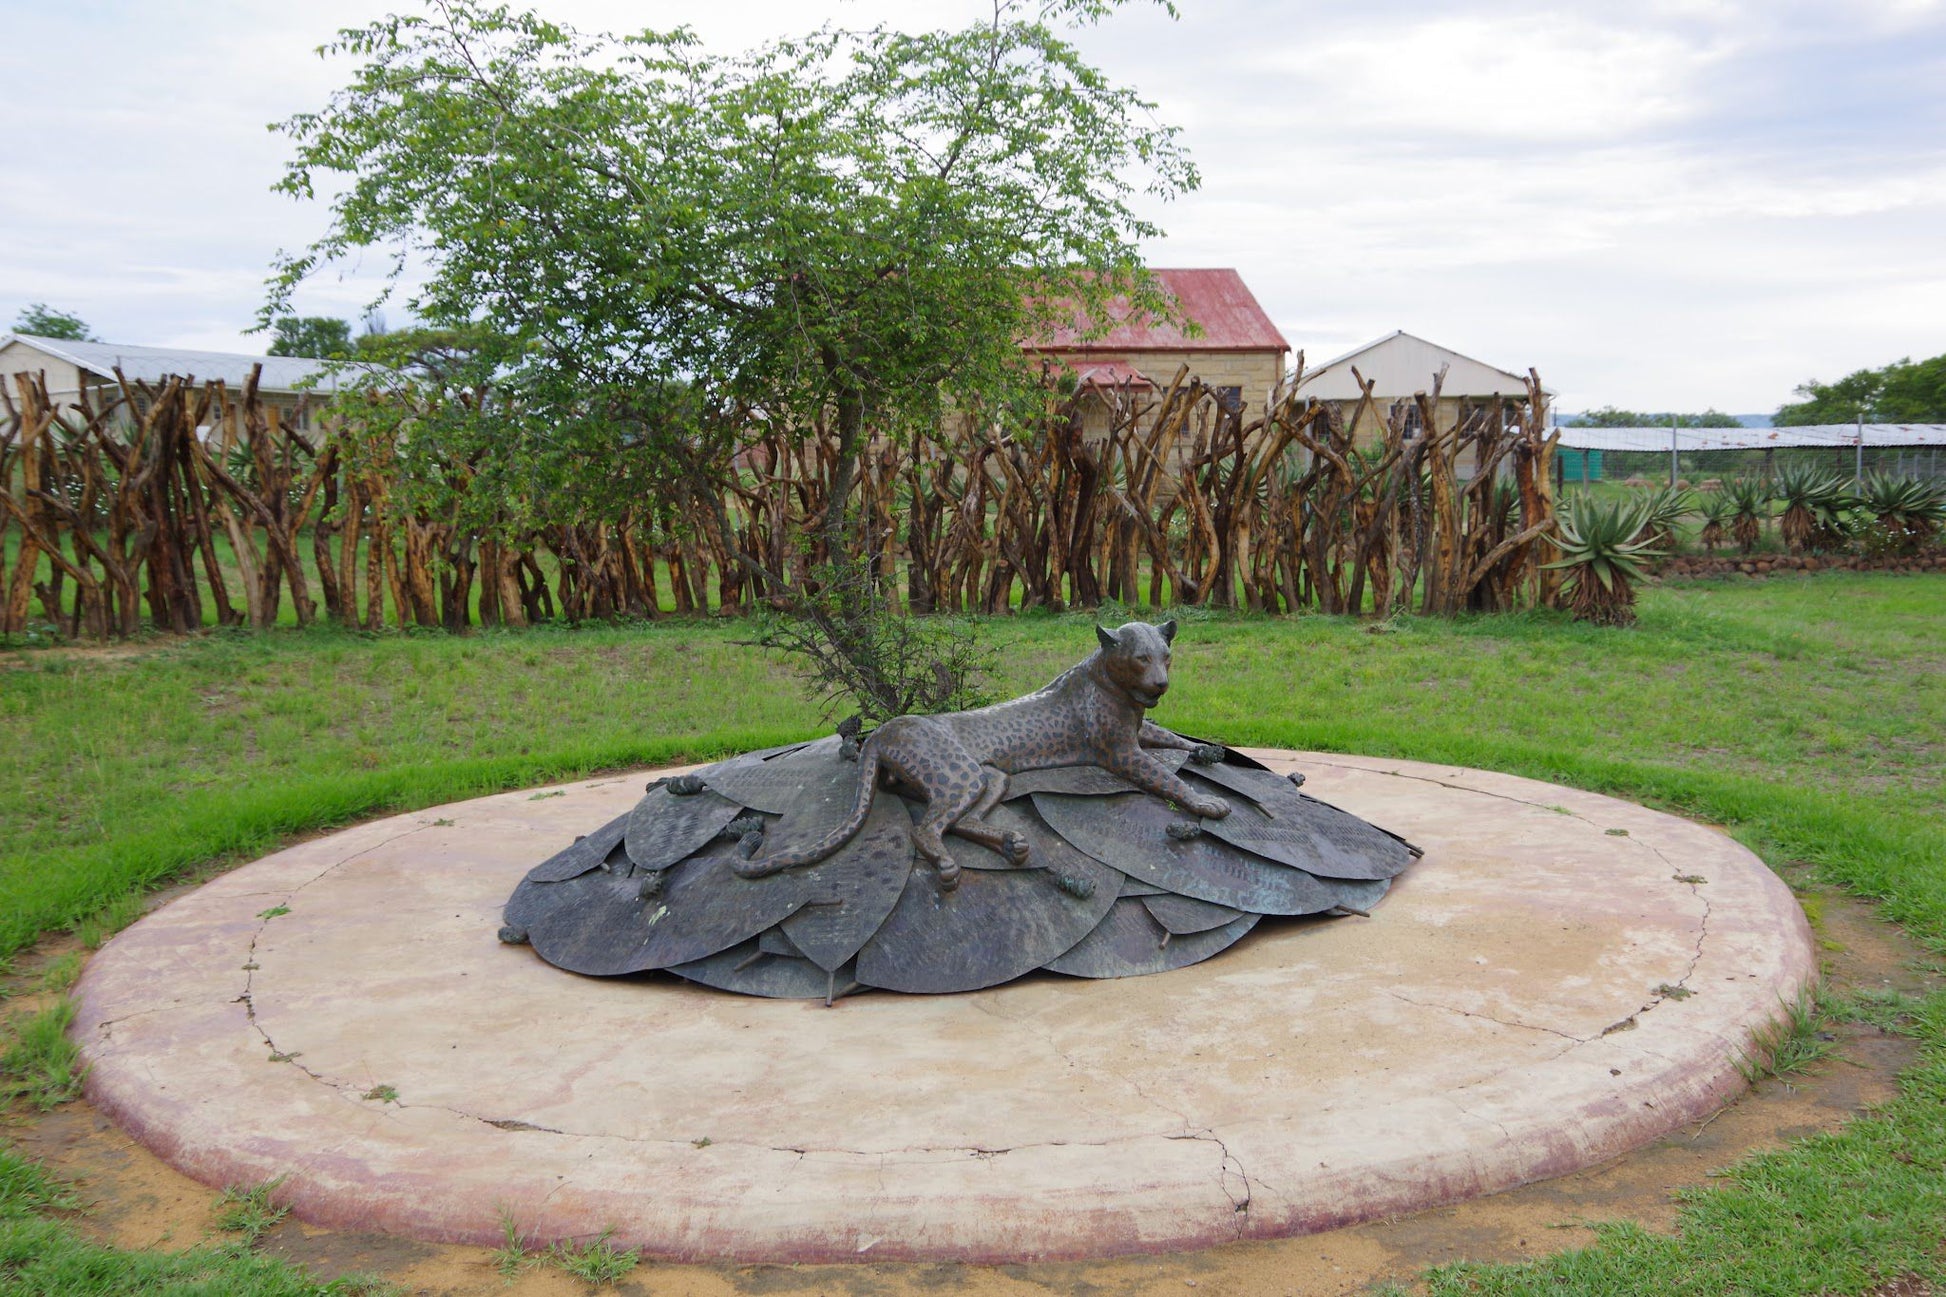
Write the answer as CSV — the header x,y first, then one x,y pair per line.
x,y
342,1014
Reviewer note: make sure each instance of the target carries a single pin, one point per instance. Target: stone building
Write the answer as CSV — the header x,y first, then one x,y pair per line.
x,y
1237,351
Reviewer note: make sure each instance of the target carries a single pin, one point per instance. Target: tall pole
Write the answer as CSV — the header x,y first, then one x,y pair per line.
x,y
1672,452
1858,470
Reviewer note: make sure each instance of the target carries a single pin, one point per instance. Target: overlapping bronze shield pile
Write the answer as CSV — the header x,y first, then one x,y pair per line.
x,y
1118,883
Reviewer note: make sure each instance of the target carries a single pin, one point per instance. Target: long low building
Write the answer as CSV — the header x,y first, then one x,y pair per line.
x,y
295,385
1888,436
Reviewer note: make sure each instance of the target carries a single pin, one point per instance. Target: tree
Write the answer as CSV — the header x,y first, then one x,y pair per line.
x,y
1610,417
856,227
1904,391
43,321
318,337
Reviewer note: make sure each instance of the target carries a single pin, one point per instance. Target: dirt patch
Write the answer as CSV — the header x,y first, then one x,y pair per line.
x,y
138,1201
87,653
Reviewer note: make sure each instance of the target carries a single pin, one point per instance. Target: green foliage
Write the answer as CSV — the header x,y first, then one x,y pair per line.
x,y
249,1211
42,1256
42,1066
1908,511
1881,1007
1904,391
318,337
1604,550
597,1262
61,973
1610,417
1815,501
1663,510
111,918
1789,1044
856,653
513,1255
431,415
26,1188
1716,510
43,321
218,748
665,252
1749,503
858,226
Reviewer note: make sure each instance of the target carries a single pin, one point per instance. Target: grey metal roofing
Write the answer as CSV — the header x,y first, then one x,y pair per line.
x,y
1822,434
152,364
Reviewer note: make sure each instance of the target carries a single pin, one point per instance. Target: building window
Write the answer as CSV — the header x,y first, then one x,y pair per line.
x,y
1413,427
1230,398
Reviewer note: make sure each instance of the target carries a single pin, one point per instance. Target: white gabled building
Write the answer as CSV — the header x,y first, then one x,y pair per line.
x,y
1399,365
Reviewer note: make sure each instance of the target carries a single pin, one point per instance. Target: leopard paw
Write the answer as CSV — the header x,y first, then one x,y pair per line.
x,y
1210,808
739,829
1075,885
948,873
1015,847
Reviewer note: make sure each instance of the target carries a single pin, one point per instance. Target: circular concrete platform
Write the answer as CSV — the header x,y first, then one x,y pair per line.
x,y
1563,977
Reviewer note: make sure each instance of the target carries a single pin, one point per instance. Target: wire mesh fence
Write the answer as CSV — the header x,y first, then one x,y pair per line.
x,y
1698,456
1700,467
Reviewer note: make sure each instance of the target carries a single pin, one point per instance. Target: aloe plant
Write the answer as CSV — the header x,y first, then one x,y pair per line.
x,y
1814,501
1663,509
1749,499
1603,555
1717,512
1909,511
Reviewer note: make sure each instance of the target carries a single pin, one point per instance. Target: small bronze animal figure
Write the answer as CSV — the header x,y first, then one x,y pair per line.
x,y
1092,713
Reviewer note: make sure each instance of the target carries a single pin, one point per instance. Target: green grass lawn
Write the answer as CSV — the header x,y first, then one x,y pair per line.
x,y
1808,715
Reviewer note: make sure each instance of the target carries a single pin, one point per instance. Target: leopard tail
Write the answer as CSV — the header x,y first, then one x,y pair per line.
x,y
832,841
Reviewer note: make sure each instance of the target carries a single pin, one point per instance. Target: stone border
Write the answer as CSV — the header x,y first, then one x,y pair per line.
x,y
1687,566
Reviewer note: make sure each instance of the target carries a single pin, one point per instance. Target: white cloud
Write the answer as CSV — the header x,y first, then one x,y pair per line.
x,y
1552,78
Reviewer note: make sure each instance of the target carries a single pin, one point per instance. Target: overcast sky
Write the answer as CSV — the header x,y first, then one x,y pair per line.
x,y
1658,204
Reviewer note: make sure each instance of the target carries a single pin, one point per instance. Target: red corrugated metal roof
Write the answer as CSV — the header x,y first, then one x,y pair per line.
x,y
1109,371
1216,299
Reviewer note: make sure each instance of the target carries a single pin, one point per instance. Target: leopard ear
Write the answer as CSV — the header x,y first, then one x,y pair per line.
x,y
1168,630
1107,637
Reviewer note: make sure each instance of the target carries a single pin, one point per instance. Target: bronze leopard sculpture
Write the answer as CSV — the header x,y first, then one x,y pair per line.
x,y
959,761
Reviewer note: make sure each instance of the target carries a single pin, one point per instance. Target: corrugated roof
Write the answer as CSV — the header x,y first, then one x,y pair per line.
x,y
1217,299
152,364
1109,371
1821,434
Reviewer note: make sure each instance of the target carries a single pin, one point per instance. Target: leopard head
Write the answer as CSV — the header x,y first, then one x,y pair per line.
x,y
1135,659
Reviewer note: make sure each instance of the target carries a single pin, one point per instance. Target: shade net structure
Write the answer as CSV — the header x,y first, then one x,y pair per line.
x,y
1852,450
1116,882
